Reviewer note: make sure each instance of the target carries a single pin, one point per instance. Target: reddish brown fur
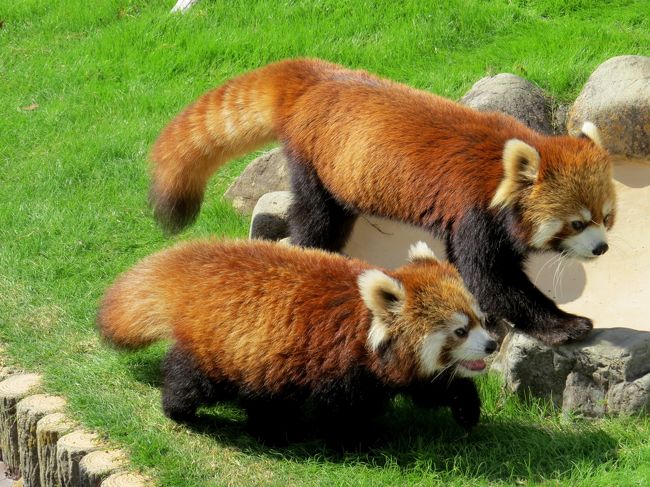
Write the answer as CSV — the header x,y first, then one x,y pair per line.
x,y
373,142
265,315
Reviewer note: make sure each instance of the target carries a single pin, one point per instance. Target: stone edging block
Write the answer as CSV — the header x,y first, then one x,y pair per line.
x,y
29,412
12,390
43,445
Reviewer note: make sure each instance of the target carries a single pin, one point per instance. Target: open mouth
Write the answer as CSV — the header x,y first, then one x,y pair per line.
x,y
473,365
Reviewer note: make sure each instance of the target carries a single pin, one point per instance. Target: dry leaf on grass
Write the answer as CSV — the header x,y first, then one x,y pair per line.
x,y
29,108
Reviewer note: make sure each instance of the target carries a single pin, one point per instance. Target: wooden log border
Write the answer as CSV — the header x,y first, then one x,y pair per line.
x,y
43,447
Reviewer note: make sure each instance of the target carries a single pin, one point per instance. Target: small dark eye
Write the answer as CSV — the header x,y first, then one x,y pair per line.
x,y
578,225
460,332
607,220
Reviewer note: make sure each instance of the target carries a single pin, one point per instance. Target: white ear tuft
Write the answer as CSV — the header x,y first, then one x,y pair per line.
x,y
383,295
380,292
377,335
520,166
590,131
421,251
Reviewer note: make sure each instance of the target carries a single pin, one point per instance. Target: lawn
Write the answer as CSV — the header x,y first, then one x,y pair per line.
x,y
85,87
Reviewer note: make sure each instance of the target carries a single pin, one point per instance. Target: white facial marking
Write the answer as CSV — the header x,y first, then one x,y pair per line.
x,y
421,250
430,352
477,311
472,349
377,334
585,214
545,232
475,344
607,208
458,320
586,241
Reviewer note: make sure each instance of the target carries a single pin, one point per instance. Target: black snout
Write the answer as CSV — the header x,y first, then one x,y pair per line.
x,y
600,249
490,346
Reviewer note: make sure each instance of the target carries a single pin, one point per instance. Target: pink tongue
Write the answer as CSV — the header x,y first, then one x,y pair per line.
x,y
473,364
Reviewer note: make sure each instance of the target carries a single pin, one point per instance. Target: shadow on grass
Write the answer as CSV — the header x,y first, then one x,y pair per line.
x,y
144,365
412,439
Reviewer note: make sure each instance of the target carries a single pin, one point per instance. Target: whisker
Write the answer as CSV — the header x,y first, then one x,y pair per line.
x,y
441,371
558,274
553,259
555,278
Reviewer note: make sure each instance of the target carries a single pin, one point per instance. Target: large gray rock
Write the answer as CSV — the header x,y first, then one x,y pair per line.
x,y
616,98
508,93
559,118
270,216
267,173
609,373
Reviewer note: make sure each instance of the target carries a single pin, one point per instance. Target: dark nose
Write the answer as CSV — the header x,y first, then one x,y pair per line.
x,y
490,346
601,249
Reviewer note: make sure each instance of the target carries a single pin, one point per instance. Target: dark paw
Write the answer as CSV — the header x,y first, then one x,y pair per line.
x,y
564,330
465,403
497,327
180,416
579,327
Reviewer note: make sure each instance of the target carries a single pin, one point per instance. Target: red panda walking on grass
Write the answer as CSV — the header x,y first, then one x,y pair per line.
x,y
493,188
279,327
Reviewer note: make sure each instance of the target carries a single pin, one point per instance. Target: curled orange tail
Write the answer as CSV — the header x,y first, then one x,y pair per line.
x,y
229,121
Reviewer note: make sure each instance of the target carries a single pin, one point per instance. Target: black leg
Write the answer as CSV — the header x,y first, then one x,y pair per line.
x,y
185,387
459,394
344,409
464,402
275,421
316,218
491,265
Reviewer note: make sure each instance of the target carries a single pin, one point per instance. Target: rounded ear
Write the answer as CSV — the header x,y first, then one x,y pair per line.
x,y
381,293
520,166
591,132
421,251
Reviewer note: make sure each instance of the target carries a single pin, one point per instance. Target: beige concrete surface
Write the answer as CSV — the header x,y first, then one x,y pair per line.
x,y
613,290
4,481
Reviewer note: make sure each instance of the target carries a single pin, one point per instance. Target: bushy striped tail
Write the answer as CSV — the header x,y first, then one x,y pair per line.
x,y
133,312
240,116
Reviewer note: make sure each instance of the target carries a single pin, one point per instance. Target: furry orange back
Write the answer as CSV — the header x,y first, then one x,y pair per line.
x,y
382,147
242,304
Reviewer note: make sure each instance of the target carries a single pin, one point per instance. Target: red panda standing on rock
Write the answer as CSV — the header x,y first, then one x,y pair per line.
x,y
279,327
494,189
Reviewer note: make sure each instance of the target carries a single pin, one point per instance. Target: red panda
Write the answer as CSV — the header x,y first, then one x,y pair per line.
x,y
278,327
494,189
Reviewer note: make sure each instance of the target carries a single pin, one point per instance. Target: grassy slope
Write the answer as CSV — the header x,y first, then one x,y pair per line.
x,y
73,209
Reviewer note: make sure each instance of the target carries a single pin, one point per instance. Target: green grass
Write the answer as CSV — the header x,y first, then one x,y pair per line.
x,y
104,77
